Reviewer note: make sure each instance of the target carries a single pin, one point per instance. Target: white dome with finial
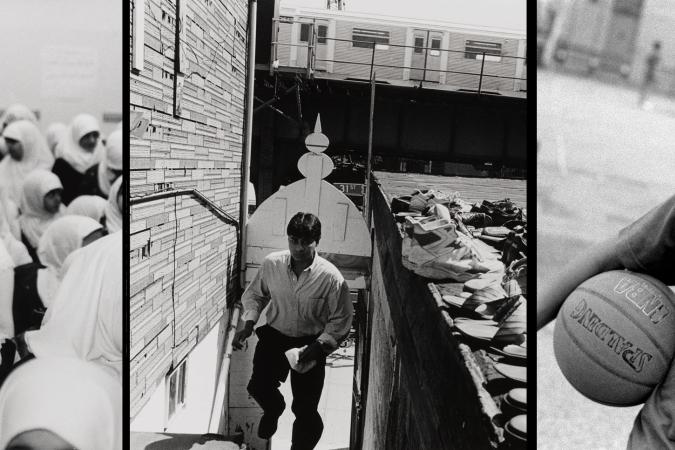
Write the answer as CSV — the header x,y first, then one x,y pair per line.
x,y
345,235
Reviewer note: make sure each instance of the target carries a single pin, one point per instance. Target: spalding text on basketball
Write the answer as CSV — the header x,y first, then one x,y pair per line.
x,y
646,297
634,356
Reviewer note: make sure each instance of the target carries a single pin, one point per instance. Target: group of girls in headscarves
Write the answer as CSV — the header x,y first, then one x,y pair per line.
x,y
61,201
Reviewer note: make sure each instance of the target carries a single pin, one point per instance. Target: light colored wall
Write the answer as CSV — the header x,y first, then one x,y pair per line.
x,y
201,378
183,261
37,36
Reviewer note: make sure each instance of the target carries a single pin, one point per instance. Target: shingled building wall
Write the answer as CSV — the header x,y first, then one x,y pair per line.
x,y
182,256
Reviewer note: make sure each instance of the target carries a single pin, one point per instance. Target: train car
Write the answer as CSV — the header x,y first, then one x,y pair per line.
x,y
349,45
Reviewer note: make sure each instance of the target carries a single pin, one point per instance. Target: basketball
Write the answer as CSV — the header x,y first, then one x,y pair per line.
x,y
614,337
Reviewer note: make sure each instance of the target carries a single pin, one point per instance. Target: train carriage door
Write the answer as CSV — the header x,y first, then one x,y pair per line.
x,y
426,55
314,33
304,30
322,42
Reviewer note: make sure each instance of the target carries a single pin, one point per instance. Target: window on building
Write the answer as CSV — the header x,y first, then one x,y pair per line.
x,y
364,38
176,383
435,47
322,32
475,50
419,44
304,32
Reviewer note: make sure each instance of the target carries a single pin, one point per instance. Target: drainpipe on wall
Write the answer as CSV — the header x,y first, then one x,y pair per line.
x,y
246,156
216,423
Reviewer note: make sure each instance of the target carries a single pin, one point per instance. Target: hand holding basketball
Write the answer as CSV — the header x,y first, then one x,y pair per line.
x,y
614,339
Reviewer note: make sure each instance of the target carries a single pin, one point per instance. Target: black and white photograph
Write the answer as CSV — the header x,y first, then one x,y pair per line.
x,y
605,224
62,157
328,224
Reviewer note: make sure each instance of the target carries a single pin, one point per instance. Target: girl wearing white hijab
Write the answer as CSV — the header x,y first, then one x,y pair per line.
x,y
6,292
77,151
99,177
12,114
89,206
16,112
10,233
40,206
27,151
113,209
61,403
54,134
85,318
34,285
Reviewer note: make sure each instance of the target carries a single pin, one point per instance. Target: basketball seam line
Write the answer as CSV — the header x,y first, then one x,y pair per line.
x,y
599,362
619,307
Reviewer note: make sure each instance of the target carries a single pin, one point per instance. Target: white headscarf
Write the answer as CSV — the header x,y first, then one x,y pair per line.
x,y
113,215
16,112
61,238
69,149
54,134
88,205
113,160
34,217
36,155
78,401
6,292
85,318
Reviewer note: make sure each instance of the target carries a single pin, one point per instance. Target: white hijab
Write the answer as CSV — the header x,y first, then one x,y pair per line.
x,y
16,112
36,155
8,237
34,218
113,160
13,113
78,401
6,292
69,149
89,206
54,134
113,215
85,318
61,238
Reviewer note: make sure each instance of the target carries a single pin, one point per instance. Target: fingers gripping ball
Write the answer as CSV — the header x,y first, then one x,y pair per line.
x,y
614,337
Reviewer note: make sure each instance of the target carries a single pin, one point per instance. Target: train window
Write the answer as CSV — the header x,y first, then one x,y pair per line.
x,y
365,38
304,32
419,44
435,47
323,30
476,49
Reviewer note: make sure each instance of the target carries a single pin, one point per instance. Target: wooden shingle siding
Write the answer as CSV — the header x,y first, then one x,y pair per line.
x,y
182,257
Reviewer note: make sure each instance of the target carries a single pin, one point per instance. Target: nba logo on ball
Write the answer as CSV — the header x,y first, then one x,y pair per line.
x,y
614,337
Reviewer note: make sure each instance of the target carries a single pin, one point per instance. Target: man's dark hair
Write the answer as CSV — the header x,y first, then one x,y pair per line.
x,y
305,226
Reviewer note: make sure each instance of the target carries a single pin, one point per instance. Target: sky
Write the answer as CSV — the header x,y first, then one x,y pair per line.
x,y
505,14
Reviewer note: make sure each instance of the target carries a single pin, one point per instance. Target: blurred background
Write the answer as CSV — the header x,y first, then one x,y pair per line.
x,y
63,57
605,157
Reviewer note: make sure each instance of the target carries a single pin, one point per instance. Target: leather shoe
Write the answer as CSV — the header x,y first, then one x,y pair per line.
x,y
267,426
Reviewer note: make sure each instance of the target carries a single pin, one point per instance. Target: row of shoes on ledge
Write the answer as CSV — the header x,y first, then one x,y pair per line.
x,y
492,313
438,243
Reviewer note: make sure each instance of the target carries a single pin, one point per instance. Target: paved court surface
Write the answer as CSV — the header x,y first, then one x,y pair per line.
x,y
602,163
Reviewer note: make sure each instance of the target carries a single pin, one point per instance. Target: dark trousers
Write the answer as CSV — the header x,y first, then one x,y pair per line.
x,y
270,369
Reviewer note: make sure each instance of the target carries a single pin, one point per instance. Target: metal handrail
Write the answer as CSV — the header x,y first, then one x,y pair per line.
x,y
170,193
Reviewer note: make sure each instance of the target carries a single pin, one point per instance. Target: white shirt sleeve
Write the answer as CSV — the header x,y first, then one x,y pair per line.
x,y
255,297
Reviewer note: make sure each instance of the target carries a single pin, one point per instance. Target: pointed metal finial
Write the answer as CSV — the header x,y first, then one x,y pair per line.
x,y
317,126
